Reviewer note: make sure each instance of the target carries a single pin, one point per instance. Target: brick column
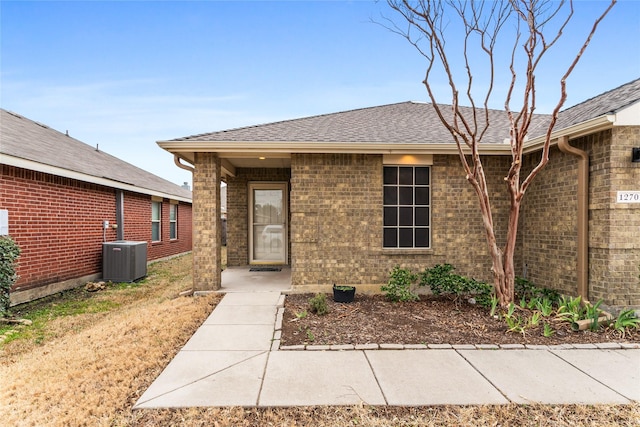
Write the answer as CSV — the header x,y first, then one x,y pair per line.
x,y
207,235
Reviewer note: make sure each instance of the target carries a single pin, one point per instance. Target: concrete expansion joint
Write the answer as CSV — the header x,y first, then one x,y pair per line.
x,y
373,346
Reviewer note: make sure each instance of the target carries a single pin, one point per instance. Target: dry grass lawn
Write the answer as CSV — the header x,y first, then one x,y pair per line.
x,y
89,368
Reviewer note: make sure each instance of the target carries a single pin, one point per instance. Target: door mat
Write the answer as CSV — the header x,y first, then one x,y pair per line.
x,y
265,269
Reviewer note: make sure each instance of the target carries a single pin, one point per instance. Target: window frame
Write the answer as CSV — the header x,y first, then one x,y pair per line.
x,y
397,207
156,223
173,222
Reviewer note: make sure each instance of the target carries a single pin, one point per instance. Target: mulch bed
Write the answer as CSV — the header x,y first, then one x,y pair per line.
x,y
432,320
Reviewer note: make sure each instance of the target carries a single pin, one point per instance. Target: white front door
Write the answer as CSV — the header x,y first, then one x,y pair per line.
x,y
268,222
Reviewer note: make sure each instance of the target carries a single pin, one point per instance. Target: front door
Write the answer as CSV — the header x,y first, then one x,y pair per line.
x,y
268,222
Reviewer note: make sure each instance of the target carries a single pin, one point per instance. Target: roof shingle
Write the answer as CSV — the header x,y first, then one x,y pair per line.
x,y
405,122
29,140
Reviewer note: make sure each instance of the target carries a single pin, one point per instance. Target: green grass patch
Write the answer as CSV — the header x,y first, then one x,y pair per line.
x,y
73,302
164,280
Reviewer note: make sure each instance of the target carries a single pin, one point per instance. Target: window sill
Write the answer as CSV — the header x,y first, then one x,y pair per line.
x,y
407,251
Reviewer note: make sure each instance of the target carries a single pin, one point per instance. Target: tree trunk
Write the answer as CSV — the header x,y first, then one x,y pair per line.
x,y
503,267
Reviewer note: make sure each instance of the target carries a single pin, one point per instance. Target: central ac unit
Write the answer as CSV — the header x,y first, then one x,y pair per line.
x,y
124,261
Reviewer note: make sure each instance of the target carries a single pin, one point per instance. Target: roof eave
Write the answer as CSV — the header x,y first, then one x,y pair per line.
x,y
576,131
250,148
309,147
66,173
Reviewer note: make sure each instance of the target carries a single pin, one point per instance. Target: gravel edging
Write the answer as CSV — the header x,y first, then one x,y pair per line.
x,y
275,344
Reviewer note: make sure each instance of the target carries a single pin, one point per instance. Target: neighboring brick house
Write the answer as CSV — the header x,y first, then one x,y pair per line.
x,y
58,192
344,197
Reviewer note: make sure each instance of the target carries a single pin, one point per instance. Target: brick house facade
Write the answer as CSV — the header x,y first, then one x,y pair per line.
x,y
342,210
56,212
547,238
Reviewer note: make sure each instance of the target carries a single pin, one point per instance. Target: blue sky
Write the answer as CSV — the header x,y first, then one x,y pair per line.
x,y
124,74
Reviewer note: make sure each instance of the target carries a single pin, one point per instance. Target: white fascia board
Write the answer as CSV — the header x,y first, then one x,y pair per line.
x,y
229,149
54,170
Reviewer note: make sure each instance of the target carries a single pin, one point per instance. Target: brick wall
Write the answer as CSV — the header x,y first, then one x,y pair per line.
x,y
459,235
137,217
57,222
614,245
336,221
549,221
207,242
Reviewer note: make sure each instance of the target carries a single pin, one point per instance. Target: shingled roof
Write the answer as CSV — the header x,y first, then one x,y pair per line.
x,y
405,122
25,139
409,122
606,103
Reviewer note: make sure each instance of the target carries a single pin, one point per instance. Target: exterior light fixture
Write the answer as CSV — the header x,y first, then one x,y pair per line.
x,y
635,154
261,158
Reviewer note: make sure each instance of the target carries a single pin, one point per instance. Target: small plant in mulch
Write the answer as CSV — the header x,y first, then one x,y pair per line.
x,y
400,285
547,330
626,321
318,304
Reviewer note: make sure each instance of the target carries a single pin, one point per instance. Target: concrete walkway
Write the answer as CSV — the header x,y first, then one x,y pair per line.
x,y
233,360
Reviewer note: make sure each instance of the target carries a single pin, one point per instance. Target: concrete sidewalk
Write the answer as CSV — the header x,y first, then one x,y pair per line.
x,y
233,360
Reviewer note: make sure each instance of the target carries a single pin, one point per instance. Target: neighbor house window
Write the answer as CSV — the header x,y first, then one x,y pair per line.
x,y
407,207
173,221
156,215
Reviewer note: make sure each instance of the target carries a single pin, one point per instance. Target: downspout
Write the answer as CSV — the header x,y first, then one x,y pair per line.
x,y
583,214
120,214
178,163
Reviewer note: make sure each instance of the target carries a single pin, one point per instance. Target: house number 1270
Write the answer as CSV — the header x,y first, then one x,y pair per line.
x,y
628,197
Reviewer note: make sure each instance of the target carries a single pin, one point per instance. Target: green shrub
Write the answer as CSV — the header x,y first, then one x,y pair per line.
x,y
524,288
442,281
9,252
318,304
399,287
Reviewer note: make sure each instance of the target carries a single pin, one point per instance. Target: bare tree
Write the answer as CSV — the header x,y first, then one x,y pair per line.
x,y
529,28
